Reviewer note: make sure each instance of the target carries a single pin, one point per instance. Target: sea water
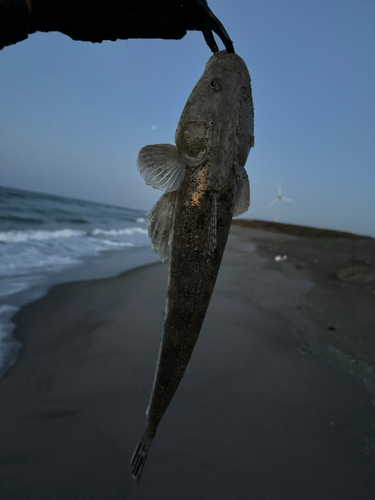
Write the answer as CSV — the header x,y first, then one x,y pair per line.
x,y
45,238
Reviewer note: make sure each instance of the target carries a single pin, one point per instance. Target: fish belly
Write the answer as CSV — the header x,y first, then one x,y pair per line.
x,y
200,232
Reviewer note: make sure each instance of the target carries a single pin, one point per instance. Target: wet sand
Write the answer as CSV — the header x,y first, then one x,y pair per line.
x,y
342,268
259,414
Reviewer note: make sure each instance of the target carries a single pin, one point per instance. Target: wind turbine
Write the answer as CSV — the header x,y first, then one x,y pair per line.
x,y
278,200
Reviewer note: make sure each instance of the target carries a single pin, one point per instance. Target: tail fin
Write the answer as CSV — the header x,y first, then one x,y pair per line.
x,y
140,456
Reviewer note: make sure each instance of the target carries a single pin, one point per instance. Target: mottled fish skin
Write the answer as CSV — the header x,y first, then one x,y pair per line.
x,y
213,139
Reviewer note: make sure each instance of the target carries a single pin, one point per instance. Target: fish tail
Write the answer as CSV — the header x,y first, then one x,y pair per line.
x,y
140,456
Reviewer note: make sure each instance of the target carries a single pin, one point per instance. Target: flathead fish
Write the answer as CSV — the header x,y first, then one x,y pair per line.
x,y
205,185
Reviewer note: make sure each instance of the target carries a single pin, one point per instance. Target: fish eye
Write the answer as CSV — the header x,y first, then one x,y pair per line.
x,y
215,85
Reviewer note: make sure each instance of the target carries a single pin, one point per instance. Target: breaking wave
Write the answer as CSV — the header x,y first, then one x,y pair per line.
x,y
119,232
24,236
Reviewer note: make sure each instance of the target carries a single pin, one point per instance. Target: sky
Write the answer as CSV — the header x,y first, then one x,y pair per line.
x,y
73,115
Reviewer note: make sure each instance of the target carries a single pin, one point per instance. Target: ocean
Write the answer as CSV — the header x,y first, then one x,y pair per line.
x,y
46,239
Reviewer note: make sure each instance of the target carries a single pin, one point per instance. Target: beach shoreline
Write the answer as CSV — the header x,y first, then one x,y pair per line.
x,y
254,397
106,265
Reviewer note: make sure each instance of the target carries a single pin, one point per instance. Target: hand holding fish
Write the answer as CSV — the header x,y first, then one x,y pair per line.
x,y
205,185
95,20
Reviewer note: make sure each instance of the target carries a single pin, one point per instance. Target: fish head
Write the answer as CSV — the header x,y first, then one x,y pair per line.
x,y
219,111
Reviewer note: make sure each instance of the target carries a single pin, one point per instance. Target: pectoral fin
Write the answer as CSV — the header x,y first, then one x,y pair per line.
x,y
242,202
161,166
159,223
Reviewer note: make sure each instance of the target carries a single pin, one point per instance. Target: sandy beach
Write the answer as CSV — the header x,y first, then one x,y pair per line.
x,y
277,402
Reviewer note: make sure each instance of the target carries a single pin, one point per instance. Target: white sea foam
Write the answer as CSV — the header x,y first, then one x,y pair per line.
x,y
140,219
31,260
24,236
117,243
119,232
29,252
7,310
10,287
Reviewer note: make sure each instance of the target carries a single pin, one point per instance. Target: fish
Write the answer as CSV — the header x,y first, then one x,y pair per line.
x,y
205,184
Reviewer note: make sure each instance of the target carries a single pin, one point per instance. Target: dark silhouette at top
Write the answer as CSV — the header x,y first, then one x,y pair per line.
x,y
98,20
